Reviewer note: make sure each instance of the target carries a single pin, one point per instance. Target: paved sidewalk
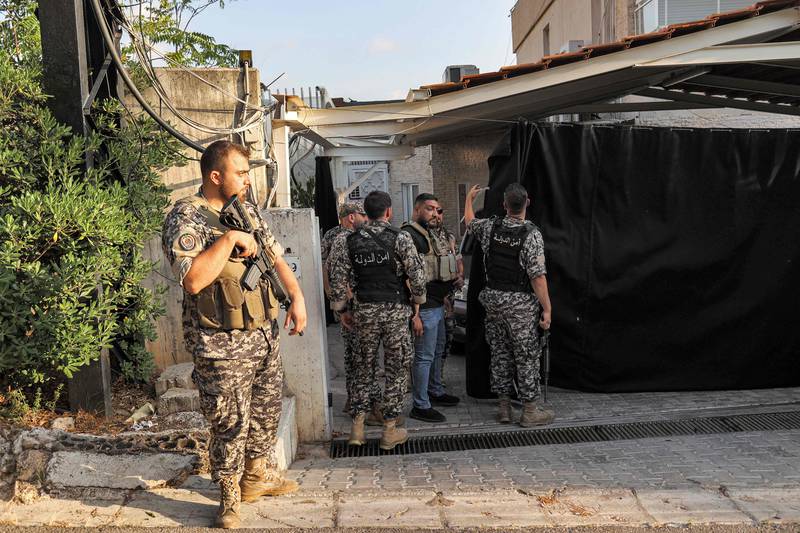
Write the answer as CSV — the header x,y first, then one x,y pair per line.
x,y
425,509
733,479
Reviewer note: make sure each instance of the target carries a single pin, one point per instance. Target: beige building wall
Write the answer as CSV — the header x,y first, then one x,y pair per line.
x,y
565,19
462,162
414,170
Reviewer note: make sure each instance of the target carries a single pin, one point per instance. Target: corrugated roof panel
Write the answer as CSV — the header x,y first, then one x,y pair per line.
x,y
443,88
768,6
556,60
524,68
690,27
647,38
597,50
734,16
473,80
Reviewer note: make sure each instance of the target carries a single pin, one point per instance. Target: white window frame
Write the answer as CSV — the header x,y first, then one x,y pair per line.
x,y
639,13
409,192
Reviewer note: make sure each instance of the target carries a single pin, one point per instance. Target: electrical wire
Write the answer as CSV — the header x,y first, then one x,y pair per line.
x,y
140,45
111,47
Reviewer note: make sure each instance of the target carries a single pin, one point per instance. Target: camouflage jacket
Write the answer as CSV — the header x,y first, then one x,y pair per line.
x,y
186,235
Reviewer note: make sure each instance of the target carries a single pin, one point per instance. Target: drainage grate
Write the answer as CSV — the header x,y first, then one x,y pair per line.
x,y
573,435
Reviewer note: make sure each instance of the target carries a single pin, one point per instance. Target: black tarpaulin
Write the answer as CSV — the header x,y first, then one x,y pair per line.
x,y
324,196
325,207
672,254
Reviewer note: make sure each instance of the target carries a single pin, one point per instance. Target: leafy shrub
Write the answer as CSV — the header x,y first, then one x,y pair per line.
x,y
71,263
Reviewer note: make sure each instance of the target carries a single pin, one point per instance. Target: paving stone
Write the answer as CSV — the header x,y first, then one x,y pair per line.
x,y
168,508
84,469
595,507
376,511
48,511
772,505
693,506
507,509
177,400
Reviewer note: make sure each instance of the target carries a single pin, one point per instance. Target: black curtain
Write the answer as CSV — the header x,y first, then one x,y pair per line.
x,y
325,207
673,255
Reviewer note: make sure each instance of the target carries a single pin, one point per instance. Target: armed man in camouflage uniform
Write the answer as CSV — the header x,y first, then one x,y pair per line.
x,y
383,266
515,298
351,218
232,331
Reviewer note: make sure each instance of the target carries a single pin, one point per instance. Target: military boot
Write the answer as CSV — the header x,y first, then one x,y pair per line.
x,y
504,410
229,501
375,417
256,483
357,437
533,415
392,435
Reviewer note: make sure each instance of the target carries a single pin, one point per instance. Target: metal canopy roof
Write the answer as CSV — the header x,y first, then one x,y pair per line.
x,y
725,61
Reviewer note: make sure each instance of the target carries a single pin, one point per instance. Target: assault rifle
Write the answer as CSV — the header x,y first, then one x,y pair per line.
x,y
262,265
545,340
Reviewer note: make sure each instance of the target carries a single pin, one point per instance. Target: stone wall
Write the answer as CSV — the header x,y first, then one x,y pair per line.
x,y
416,169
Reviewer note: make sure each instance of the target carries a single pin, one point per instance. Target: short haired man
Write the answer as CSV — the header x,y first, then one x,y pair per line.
x,y
382,265
232,331
428,322
351,217
515,298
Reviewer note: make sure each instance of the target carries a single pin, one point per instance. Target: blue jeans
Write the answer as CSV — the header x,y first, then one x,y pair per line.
x,y
428,351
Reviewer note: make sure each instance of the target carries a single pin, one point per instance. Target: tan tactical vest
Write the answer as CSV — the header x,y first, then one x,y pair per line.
x,y
225,304
440,262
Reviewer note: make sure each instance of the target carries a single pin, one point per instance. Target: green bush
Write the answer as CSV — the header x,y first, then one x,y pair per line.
x,y
71,264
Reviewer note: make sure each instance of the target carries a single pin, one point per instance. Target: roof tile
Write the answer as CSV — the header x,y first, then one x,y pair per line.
x,y
591,51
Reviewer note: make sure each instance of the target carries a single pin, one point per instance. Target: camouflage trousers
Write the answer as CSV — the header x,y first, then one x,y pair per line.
x,y
512,335
350,339
376,324
240,379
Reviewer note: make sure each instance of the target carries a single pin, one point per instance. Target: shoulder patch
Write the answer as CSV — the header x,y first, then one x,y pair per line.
x,y
187,242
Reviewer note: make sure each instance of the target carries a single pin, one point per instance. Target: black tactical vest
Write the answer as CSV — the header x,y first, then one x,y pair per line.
x,y
503,271
373,259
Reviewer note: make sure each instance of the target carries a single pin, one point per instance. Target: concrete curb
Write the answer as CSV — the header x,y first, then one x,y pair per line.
x,y
495,509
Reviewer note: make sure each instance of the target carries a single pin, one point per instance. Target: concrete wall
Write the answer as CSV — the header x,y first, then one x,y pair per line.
x,y
210,107
462,161
305,358
567,20
417,170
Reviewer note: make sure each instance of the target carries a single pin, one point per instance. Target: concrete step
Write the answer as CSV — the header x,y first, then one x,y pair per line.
x,y
286,446
175,376
178,399
143,471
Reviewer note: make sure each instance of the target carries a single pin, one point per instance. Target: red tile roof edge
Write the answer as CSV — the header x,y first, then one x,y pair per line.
x,y
590,51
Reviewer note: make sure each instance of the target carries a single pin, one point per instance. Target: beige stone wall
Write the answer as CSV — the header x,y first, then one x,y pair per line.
x,y
463,160
416,169
567,19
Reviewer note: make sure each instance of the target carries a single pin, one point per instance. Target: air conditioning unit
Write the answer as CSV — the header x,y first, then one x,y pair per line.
x,y
454,73
571,46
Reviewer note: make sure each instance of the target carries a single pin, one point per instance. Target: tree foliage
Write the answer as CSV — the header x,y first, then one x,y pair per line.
x,y
165,24
71,239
